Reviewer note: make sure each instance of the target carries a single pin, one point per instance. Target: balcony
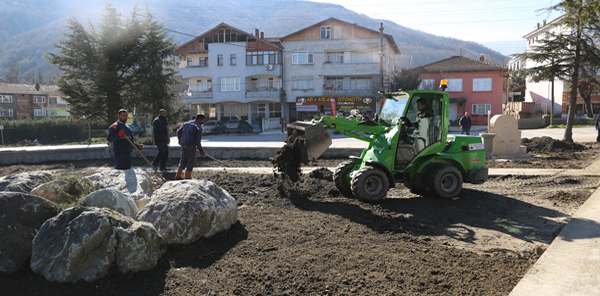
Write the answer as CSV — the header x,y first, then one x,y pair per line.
x,y
349,92
271,94
198,95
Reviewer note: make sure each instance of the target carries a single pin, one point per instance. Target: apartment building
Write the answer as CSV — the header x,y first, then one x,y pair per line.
x,y
334,66
237,75
540,93
37,101
232,74
474,86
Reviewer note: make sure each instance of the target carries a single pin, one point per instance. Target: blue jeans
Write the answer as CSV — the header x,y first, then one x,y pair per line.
x,y
162,155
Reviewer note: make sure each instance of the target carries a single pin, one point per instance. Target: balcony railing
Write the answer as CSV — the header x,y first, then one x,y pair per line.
x,y
262,94
200,94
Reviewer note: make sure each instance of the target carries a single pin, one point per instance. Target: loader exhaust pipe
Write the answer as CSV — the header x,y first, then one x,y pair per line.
x,y
316,139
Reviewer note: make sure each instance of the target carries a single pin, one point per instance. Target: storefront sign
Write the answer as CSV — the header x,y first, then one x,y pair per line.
x,y
342,103
306,108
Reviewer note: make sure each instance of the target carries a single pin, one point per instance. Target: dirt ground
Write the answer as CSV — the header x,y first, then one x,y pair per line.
x,y
311,240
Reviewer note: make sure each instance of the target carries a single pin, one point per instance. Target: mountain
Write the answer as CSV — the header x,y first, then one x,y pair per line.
x,y
30,27
507,47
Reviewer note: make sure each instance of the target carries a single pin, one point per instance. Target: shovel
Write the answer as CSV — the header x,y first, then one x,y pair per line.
x,y
215,159
144,157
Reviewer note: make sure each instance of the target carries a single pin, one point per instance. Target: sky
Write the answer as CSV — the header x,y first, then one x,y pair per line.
x,y
482,21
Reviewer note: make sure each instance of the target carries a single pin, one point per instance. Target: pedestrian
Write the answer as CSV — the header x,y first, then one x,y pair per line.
x,y
121,147
161,139
190,137
598,127
465,124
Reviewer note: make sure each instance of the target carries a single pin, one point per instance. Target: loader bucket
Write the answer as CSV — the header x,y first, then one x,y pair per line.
x,y
316,139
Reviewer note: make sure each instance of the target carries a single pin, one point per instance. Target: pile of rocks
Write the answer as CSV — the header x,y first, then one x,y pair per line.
x,y
122,225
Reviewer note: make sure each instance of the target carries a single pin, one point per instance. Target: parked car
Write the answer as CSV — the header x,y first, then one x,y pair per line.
x,y
213,127
137,130
238,126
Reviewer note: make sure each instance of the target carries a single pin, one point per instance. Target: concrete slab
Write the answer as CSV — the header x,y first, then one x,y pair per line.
x,y
571,265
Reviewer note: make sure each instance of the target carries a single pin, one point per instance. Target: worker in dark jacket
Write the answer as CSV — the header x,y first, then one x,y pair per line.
x,y
190,137
121,147
161,139
465,124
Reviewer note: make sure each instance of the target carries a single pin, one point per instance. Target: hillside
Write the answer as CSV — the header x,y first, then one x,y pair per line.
x,y
28,28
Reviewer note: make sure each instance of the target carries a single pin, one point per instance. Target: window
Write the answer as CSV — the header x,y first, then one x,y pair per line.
x,y
262,58
232,60
454,84
361,57
230,84
39,99
325,32
482,84
53,100
220,60
39,112
303,82
204,85
190,61
204,62
335,57
360,83
274,110
53,112
334,83
302,57
5,99
6,112
481,109
427,84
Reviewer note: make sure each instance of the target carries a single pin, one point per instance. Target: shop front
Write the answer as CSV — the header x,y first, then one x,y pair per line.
x,y
309,107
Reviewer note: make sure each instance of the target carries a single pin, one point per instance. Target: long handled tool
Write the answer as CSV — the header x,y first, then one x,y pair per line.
x,y
144,157
215,159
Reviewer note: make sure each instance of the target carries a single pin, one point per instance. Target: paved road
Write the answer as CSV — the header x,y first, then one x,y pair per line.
x,y
274,139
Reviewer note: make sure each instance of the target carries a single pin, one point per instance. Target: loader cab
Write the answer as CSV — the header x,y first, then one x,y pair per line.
x,y
421,126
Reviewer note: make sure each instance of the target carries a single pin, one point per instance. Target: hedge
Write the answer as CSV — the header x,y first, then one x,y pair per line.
x,y
46,131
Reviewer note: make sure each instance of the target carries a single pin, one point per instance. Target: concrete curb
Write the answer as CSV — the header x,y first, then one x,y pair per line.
x,y
571,265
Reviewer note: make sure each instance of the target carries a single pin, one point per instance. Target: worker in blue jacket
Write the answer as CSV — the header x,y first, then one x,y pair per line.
x,y
121,147
190,137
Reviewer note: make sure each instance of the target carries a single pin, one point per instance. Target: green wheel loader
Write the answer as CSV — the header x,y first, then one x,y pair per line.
x,y
408,142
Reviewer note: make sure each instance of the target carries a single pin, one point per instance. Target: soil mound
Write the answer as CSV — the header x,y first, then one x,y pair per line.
x,y
321,173
547,144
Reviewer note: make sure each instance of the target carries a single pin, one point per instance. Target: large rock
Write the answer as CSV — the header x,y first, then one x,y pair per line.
x,y
184,211
21,216
135,182
50,191
113,199
83,243
24,182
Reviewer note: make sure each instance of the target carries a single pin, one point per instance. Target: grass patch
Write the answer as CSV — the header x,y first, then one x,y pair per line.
x,y
75,188
565,126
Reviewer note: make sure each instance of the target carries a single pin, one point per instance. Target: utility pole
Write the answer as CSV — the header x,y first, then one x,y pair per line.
x,y
381,57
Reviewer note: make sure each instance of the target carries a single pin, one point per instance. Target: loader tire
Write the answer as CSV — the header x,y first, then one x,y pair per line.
x,y
340,178
370,184
446,181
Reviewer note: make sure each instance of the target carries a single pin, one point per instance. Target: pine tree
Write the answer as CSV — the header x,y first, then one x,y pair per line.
x,y
118,65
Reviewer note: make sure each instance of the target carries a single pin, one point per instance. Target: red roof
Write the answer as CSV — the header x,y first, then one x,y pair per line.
x,y
461,64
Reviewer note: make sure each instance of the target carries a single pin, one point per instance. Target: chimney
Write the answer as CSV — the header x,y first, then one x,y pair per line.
x,y
538,25
262,35
256,31
544,22
481,58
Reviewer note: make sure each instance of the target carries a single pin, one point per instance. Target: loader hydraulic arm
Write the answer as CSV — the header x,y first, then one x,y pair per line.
x,y
352,127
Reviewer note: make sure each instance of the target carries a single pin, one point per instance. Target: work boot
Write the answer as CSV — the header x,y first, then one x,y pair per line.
x,y
178,176
188,174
